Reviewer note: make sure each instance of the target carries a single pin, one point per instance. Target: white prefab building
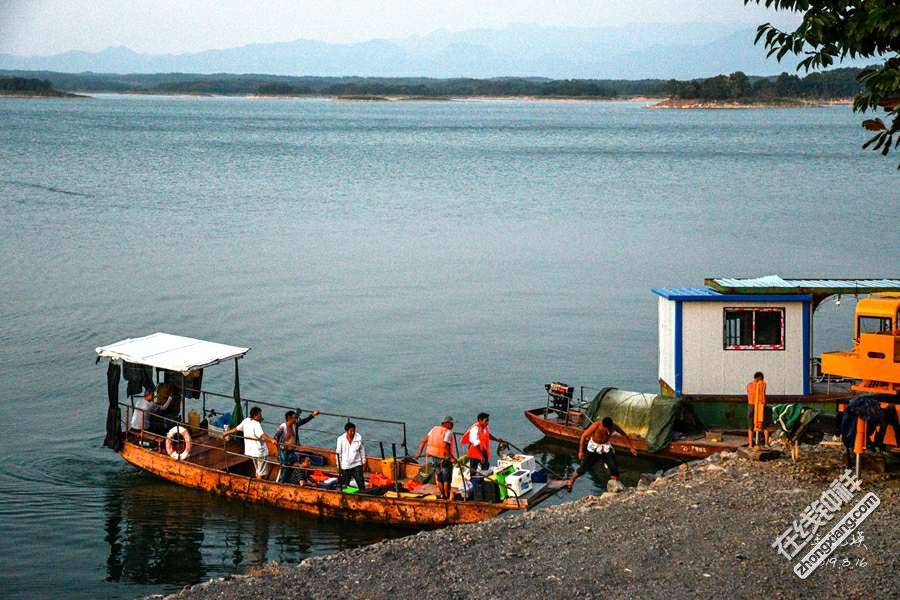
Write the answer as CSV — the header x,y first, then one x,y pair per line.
x,y
711,343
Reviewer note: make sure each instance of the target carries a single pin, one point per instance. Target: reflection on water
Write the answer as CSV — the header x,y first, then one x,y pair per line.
x,y
159,533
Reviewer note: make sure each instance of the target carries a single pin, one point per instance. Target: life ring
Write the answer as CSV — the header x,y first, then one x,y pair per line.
x,y
170,446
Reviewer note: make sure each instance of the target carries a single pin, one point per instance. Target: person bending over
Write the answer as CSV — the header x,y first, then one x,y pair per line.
x,y
599,448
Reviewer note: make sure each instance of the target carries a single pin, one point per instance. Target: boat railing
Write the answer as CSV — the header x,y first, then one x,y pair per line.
x,y
208,397
144,436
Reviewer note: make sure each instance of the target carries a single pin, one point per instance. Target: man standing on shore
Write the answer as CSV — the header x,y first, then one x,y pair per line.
x,y
599,448
351,456
756,407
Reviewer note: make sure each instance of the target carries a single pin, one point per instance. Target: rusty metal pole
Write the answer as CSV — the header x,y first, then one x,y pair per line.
x,y
859,444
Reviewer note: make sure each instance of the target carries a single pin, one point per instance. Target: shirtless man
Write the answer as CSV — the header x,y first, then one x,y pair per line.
x,y
599,448
286,438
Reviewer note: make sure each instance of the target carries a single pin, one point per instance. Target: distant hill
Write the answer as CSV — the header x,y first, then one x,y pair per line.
x,y
647,51
30,87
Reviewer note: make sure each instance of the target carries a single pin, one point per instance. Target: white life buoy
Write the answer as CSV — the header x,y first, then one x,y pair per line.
x,y
170,446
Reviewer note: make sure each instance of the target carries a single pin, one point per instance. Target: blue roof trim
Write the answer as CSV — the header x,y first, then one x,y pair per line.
x,y
708,295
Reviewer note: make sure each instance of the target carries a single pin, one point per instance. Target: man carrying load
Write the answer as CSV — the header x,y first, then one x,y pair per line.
x,y
440,449
756,407
599,448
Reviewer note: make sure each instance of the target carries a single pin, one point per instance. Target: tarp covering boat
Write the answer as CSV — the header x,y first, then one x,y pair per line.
x,y
649,416
171,352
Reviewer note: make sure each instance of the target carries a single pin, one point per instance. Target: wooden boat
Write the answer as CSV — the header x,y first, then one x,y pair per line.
x,y
203,460
689,447
229,473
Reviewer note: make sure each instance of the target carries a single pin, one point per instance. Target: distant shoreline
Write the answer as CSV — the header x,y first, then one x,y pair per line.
x,y
694,104
56,95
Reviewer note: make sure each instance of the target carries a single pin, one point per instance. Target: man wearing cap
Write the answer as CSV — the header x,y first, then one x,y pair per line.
x,y
440,449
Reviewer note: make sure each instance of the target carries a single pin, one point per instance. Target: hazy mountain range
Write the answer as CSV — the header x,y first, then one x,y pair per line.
x,y
680,51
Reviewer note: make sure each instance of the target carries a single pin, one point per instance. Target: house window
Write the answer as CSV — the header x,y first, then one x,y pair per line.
x,y
754,329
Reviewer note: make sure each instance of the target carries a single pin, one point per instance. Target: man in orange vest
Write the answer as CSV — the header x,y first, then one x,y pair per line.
x,y
479,437
440,449
756,406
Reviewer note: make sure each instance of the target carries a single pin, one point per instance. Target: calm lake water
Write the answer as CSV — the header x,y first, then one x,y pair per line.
x,y
400,260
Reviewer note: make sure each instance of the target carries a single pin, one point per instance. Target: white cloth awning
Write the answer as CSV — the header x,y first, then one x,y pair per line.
x,y
171,352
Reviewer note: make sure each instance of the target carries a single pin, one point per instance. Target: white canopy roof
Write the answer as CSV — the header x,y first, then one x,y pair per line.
x,y
171,352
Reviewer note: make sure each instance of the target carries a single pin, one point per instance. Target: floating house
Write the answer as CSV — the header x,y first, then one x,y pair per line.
x,y
712,340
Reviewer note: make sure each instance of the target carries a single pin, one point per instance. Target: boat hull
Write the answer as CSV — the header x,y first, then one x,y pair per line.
x,y
695,448
406,512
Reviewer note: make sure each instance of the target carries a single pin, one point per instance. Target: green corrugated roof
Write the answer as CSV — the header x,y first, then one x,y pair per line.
x,y
773,284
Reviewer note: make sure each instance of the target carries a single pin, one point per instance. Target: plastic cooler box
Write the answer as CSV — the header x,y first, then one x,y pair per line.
x,y
522,462
518,483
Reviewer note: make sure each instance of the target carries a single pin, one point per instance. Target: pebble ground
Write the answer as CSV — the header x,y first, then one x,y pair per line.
x,y
702,530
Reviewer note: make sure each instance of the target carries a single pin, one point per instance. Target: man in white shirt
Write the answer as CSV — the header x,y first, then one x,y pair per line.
x,y
140,417
254,441
351,456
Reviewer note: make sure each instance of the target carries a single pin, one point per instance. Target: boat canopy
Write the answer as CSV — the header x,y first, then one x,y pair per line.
x,y
171,352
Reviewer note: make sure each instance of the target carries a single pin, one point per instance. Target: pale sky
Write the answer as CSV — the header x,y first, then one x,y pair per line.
x,y
37,27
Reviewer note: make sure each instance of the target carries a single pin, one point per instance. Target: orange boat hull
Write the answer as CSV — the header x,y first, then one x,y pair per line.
x,y
694,448
406,512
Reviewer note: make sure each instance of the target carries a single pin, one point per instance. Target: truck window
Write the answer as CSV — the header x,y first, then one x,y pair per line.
x,y
874,324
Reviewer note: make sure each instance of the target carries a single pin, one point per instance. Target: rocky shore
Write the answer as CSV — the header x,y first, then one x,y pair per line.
x,y
704,529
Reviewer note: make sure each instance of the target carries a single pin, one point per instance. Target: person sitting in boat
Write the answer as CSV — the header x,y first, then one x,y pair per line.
x,y
479,437
160,417
140,417
599,448
756,401
440,449
254,441
286,438
351,457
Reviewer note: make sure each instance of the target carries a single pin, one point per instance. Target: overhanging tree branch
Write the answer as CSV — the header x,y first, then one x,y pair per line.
x,y
832,30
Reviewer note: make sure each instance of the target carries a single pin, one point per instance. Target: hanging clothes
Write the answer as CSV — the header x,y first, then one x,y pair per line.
x,y
113,437
192,382
139,378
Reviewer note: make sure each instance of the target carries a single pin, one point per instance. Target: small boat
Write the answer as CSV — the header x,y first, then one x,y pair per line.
x,y
194,454
566,419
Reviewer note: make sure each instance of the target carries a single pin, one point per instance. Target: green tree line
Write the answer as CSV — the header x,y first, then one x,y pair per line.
x,y
838,83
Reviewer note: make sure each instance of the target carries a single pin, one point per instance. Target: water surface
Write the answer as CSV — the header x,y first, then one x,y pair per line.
x,y
401,260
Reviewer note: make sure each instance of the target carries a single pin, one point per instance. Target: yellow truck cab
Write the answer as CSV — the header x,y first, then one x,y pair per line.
x,y
875,358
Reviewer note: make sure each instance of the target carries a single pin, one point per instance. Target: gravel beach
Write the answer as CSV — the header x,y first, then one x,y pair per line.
x,y
703,530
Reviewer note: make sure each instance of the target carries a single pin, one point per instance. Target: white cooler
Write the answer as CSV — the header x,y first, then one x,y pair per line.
x,y
522,462
518,483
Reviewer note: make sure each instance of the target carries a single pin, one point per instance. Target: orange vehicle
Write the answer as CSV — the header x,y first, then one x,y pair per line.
x,y
875,358
874,361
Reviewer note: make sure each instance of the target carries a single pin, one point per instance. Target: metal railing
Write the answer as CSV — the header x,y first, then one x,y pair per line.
x,y
205,395
145,435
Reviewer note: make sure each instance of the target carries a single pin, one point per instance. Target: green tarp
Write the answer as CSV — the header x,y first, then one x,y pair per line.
x,y
786,415
649,416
